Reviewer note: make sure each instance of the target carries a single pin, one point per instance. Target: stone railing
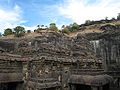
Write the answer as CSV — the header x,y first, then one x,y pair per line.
x,y
11,70
115,74
45,80
11,77
87,71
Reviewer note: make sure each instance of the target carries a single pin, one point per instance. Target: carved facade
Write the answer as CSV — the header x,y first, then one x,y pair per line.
x,y
51,62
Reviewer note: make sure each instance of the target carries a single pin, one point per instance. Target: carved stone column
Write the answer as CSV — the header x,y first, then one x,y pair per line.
x,y
101,88
94,88
72,87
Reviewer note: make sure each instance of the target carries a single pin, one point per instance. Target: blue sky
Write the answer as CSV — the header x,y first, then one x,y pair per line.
x,y
29,13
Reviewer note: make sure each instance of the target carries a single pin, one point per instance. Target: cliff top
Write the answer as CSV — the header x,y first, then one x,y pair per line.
x,y
94,27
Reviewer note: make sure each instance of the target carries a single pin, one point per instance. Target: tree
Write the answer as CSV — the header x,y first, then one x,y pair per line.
x,y
46,27
83,28
42,25
113,19
52,24
118,17
63,26
19,31
0,34
106,18
53,27
28,31
87,22
75,26
8,31
65,30
38,26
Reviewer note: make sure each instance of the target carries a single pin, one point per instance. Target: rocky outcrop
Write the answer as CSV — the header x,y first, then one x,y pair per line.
x,y
108,27
107,46
96,22
48,60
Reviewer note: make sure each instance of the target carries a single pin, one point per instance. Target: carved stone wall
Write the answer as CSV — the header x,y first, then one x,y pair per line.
x,y
48,61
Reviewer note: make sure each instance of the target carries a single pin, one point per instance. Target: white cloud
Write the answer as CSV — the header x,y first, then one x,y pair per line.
x,y
81,10
10,18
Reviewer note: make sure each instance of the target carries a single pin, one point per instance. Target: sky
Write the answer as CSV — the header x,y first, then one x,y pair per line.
x,y
30,13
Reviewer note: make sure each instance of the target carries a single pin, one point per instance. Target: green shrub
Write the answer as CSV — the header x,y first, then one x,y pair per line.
x,y
28,31
83,28
93,27
0,34
75,30
19,31
8,31
53,27
65,30
117,24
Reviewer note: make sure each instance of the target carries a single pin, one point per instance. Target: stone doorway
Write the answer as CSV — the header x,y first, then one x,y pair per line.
x,y
53,88
83,87
9,86
106,87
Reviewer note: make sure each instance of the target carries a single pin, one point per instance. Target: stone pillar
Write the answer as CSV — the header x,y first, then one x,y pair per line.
x,y
72,87
77,64
24,70
118,82
94,88
104,63
101,88
36,44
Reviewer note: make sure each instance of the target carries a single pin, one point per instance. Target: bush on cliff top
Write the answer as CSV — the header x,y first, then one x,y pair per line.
x,y
19,31
8,31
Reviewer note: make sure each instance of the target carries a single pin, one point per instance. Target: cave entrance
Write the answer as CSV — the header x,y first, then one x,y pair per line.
x,y
52,88
83,87
106,87
8,86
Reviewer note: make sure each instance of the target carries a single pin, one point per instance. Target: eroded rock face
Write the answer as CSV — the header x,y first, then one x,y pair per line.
x,y
50,58
108,27
53,45
96,22
108,47
7,45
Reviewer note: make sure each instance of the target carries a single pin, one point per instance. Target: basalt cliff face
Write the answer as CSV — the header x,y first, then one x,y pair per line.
x,y
46,61
50,44
52,61
107,46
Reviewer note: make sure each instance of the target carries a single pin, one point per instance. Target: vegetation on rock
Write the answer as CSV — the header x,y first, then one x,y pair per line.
x,y
19,31
65,30
70,28
8,31
53,27
28,31
0,34
118,17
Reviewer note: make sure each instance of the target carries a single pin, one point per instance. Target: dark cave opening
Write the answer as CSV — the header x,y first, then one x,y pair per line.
x,y
8,86
52,88
83,87
106,87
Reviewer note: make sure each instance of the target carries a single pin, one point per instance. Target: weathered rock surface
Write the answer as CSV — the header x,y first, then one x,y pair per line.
x,y
51,58
47,60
